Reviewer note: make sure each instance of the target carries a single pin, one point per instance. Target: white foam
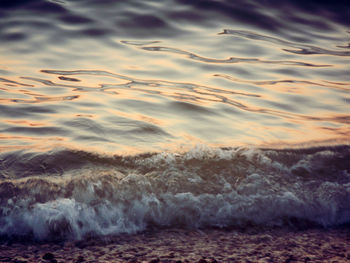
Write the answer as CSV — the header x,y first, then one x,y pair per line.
x,y
222,187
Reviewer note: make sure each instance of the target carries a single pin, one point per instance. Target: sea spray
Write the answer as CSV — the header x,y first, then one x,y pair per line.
x,y
203,187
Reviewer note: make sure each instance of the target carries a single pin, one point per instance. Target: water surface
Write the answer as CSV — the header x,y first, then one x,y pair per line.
x,y
103,93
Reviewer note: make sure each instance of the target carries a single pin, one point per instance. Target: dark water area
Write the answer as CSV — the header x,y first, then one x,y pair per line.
x,y
121,116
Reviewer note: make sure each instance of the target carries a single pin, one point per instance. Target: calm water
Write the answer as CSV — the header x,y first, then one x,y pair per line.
x,y
120,115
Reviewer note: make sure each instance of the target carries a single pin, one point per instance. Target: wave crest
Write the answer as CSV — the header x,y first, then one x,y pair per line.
x,y
204,187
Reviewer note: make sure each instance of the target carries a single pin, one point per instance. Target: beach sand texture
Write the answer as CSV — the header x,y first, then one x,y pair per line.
x,y
278,245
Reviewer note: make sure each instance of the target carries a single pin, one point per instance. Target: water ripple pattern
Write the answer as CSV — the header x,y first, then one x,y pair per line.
x,y
176,74
136,113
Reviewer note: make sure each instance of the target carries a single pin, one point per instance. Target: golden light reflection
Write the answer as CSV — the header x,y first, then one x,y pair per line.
x,y
28,138
140,117
10,142
26,123
39,99
291,85
171,94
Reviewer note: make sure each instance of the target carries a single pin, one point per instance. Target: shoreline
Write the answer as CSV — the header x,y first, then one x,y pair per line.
x,y
178,245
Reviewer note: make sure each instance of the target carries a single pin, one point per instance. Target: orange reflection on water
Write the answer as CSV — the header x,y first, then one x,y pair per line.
x,y
26,123
9,142
154,103
139,117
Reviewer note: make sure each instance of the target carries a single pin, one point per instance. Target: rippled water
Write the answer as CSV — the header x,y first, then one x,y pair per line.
x,y
85,84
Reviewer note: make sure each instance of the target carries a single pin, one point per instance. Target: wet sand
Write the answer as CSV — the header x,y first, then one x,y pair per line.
x,y
278,245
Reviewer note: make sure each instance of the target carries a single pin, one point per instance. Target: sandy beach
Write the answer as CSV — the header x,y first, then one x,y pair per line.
x,y
277,245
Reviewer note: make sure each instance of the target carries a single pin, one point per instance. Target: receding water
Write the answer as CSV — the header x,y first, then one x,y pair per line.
x,y
172,113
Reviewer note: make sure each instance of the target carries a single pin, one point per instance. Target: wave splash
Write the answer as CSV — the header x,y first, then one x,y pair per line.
x,y
204,187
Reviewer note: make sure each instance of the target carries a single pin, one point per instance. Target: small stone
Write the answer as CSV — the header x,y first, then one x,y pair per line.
x,y
307,259
48,256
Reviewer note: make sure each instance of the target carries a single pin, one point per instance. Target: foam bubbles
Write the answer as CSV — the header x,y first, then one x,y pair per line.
x,y
205,187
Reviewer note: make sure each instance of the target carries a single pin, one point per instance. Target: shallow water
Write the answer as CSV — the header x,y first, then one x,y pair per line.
x,y
97,95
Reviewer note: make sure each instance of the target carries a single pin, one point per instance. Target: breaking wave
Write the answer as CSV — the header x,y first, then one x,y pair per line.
x,y
69,194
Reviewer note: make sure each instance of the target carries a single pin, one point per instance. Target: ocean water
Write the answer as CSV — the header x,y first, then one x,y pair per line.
x,y
124,116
